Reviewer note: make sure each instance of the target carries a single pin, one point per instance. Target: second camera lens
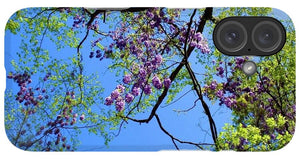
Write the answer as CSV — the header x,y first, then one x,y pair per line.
x,y
267,36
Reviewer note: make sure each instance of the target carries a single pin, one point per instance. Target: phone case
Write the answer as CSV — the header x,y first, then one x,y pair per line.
x,y
142,79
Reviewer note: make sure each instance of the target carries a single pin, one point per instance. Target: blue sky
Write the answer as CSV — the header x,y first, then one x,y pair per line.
x,y
184,126
192,126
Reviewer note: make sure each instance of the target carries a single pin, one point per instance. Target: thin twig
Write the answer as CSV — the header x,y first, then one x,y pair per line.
x,y
176,99
174,138
186,110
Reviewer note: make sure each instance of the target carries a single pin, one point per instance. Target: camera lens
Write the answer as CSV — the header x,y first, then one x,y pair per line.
x,y
268,36
231,36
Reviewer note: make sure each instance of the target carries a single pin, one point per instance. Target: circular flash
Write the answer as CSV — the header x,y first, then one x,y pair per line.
x,y
249,68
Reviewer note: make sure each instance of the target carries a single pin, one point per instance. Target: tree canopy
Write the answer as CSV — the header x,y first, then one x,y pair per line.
x,y
152,55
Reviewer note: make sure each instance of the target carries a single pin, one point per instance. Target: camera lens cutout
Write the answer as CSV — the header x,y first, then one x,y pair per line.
x,y
231,36
249,35
268,36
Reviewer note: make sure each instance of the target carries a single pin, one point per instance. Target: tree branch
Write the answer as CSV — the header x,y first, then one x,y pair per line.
x,y
268,92
176,99
197,87
174,138
186,110
206,16
188,31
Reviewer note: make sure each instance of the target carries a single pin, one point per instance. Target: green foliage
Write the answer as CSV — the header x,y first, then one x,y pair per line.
x,y
38,25
250,138
280,91
253,128
13,26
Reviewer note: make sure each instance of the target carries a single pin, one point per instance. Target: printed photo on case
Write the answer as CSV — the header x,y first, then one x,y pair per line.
x,y
142,79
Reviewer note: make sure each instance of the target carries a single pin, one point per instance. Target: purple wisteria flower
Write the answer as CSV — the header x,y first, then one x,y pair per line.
x,y
239,62
197,41
115,94
135,91
193,43
142,73
213,85
220,94
127,79
198,36
129,98
147,89
158,59
220,71
228,102
121,88
81,117
167,82
120,105
272,136
147,43
156,82
108,101
203,46
294,107
150,14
